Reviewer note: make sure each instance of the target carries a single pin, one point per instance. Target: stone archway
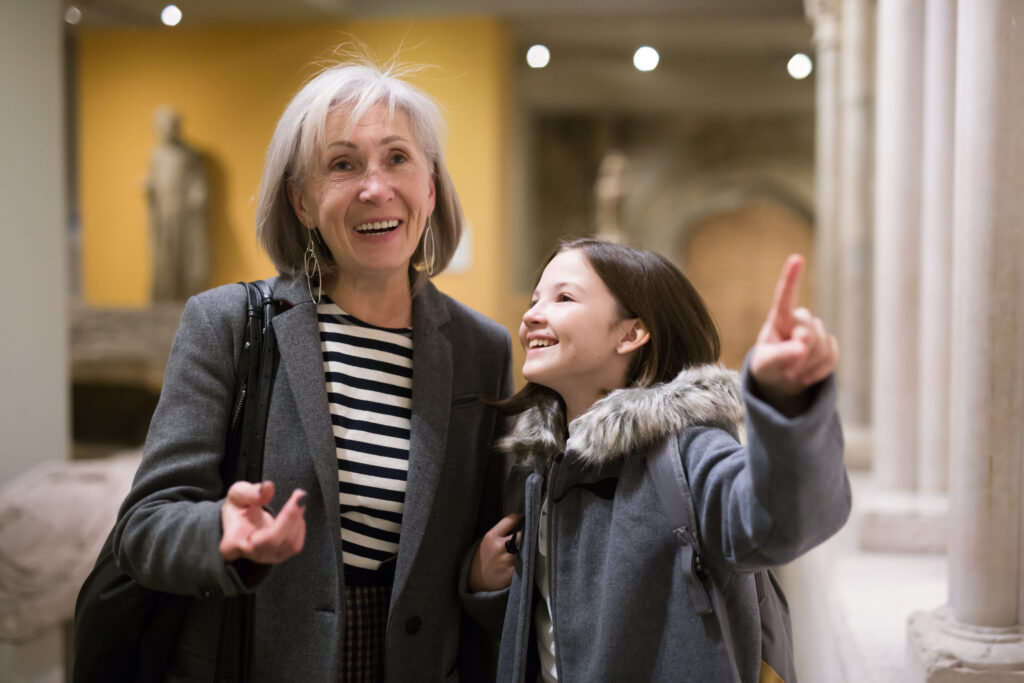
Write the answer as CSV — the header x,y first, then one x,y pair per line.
x,y
730,230
733,258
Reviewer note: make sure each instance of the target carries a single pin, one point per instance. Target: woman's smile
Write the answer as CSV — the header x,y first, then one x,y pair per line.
x,y
372,196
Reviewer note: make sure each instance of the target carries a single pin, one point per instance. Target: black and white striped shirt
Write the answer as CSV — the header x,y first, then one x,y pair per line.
x,y
368,371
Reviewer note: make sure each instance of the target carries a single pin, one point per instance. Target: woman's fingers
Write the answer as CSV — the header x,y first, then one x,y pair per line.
x,y
250,494
253,533
237,525
285,535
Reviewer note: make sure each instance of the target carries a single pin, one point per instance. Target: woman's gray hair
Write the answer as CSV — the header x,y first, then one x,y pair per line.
x,y
300,137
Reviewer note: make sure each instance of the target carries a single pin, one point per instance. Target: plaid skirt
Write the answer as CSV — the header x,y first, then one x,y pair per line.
x,y
366,621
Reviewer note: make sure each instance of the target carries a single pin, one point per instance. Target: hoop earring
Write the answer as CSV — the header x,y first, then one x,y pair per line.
x,y
428,261
311,267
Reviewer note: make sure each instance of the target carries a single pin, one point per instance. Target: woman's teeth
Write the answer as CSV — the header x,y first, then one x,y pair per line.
x,y
375,227
540,343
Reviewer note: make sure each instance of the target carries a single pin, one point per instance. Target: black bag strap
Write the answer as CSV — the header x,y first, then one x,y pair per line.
x,y
243,455
666,471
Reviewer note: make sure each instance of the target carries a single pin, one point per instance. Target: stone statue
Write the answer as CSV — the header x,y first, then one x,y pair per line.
x,y
177,193
610,191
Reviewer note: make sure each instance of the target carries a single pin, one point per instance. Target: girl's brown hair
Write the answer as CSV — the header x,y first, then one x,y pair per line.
x,y
650,287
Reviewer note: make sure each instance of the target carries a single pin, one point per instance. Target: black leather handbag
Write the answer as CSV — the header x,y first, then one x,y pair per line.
x,y
127,632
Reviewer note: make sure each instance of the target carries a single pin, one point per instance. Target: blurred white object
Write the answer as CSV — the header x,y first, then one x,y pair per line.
x,y
53,521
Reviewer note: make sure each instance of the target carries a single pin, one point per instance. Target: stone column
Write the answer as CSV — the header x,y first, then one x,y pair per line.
x,y
936,244
854,319
897,517
897,251
824,14
34,397
978,635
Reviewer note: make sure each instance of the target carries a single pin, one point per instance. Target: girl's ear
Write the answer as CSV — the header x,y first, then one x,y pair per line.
x,y
635,337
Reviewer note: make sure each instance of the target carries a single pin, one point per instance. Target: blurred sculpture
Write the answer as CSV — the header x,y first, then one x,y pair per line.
x,y
177,193
610,192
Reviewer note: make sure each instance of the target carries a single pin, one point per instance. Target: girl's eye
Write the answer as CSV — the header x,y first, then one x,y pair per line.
x,y
564,297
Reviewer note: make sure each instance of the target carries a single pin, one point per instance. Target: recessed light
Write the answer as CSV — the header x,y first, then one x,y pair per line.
x,y
538,56
646,58
800,66
170,15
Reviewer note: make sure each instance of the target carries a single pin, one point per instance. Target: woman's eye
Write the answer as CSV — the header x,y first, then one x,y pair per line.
x,y
564,297
398,158
341,165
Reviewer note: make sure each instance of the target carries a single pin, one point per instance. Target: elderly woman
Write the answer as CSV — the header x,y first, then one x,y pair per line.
x,y
377,468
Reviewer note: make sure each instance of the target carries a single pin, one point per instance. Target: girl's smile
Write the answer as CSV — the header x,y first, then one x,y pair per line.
x,y
577,341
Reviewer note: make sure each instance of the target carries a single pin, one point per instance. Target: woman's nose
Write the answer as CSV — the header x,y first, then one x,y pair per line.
x,y
374,187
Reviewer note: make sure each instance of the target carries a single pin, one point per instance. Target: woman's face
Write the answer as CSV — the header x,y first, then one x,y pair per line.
x,y
576,341
370,194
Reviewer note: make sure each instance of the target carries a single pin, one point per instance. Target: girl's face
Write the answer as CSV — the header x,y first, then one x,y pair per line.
x,y
370,193
576,342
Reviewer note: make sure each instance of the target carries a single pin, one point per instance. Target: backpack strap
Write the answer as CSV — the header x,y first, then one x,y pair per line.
x,y
665,468
666,471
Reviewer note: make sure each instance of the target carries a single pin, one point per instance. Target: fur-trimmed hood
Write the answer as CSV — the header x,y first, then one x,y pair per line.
x,y
628,419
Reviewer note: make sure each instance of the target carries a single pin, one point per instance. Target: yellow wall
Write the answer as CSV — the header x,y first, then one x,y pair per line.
x,y
230,84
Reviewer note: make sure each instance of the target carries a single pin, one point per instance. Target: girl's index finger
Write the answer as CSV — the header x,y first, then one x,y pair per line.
x,y
787,291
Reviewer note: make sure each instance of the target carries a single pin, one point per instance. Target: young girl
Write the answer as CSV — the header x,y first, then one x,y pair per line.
x,y
621,355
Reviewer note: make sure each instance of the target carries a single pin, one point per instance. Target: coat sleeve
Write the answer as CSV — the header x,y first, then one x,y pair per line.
x,y
786,491
168,531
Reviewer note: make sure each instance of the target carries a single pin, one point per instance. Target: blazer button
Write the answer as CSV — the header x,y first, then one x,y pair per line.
x,y
413,625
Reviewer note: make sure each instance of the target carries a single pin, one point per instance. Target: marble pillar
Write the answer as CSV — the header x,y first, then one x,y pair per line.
x,y
35,416
856,106
936,245
824,15
977,636
897,251
898,517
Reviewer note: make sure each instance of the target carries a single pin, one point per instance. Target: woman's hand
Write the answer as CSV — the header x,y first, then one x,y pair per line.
x,y
793,350
250,532
493,564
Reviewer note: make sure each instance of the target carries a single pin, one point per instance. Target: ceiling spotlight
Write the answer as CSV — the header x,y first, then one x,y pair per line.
x,y
73,15
646,58
538,56
170,15
800,66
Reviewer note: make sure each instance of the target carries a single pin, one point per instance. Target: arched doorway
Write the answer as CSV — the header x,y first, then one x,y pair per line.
x,y
734,258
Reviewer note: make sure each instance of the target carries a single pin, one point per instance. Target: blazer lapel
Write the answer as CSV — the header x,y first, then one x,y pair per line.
x,y
302,369
431,406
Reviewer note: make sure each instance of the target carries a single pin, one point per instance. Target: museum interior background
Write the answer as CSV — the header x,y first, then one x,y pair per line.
x,y
896,167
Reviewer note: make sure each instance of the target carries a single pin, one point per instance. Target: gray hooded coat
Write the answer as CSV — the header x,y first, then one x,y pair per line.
x,y
618,604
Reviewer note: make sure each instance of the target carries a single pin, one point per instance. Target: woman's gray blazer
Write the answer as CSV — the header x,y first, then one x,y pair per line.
x,y
168,530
